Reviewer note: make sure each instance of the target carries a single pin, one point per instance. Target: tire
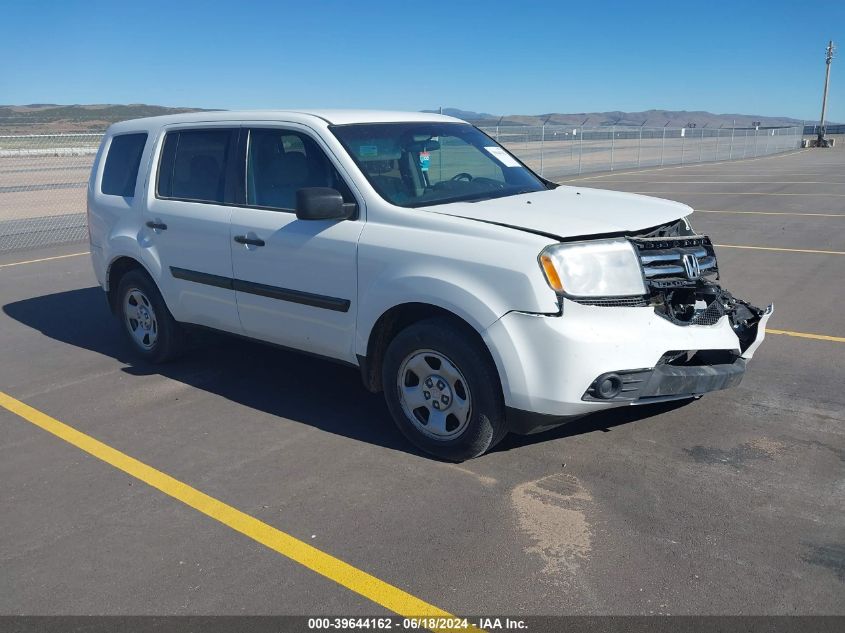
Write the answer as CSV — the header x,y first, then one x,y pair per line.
x,y
146,322
443,390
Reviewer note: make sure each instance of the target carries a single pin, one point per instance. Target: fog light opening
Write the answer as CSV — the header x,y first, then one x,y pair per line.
x,y
608,386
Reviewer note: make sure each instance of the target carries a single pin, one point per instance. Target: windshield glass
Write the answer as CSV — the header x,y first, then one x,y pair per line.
x,y
421,164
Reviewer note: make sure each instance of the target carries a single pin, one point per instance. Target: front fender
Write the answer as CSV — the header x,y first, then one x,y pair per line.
x,y
477,303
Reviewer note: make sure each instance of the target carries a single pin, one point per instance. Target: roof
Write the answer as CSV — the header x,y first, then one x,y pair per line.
x,y
332,117
341,117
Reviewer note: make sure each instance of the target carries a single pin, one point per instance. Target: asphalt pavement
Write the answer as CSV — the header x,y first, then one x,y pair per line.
x,y
732,504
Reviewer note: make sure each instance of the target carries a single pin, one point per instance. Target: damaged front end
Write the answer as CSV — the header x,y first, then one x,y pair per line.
x,y
681,275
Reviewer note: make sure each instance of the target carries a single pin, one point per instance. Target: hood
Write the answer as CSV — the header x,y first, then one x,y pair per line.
x,y
567,212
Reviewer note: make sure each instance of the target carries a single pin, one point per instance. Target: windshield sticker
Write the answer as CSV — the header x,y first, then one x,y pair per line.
x,y
425,159
503,157
368,151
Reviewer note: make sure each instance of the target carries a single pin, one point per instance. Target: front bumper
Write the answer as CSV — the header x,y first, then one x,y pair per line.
x,y
547,364
664,382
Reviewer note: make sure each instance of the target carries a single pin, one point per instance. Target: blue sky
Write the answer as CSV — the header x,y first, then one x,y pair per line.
x,y
526,57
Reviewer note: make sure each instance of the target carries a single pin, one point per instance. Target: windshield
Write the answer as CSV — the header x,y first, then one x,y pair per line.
x,y
421,164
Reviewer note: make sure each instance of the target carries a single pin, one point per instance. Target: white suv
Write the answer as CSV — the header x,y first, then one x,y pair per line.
x,y
478,296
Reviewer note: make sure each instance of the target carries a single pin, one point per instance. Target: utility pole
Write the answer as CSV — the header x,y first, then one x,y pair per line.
x,y
820,142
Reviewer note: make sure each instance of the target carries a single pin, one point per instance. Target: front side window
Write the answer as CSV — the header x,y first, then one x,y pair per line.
x,y
121,168
194,164
280,162
421,164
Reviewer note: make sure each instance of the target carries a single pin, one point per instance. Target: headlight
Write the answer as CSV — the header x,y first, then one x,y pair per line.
x,y
604,268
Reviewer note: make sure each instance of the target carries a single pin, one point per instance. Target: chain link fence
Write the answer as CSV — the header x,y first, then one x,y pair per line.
x,y
42,188
556,152
43,177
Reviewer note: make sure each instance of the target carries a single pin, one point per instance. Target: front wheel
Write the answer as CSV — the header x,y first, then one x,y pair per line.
x,y
443,390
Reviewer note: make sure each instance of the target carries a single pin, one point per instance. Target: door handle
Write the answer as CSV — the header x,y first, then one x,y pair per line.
x,y
252,241
159,226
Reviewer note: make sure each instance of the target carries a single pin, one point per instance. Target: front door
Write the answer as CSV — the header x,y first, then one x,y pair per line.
x,y
295,280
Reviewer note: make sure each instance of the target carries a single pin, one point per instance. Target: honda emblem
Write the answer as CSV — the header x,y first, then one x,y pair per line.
x,y
691,267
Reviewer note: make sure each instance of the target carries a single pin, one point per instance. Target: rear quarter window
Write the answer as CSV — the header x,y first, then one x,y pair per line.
x,y
122,162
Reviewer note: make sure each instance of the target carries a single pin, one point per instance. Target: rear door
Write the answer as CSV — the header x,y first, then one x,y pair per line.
x,y
186,223
295,280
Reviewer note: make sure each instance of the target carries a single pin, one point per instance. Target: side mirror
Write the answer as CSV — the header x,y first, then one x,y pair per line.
x,y
321,203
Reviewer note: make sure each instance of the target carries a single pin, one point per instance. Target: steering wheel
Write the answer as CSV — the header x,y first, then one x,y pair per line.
x,y
462,176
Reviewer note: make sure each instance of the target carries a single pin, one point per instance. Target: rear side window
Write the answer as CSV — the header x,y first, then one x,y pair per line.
x,y
122,162
194,164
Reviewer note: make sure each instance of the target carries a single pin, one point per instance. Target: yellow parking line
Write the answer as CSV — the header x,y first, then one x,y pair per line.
x,y
44,259
820,337
817,215
762,174
738,193
772,248
728,182
326,565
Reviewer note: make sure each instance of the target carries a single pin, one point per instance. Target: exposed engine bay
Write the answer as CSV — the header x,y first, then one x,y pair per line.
x,y
681,275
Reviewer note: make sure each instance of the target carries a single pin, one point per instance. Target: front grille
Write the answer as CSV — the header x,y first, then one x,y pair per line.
x,y
710,315
674,262
698,358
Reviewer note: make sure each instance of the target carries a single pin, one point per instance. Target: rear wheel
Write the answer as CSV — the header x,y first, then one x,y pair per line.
x,y
147,323
443,391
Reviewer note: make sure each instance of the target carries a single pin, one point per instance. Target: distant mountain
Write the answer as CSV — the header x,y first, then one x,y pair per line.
x,y
46,118
649,118
466,115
